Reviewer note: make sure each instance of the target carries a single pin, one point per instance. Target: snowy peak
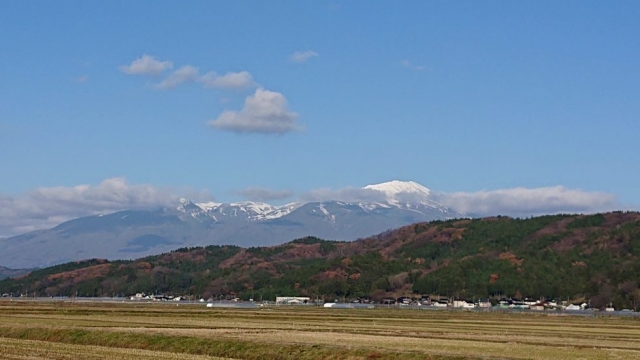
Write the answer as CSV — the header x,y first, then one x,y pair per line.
x,y
403,195
393,188
248,209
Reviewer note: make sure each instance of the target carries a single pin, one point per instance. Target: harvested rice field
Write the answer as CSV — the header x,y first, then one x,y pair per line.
x,y
68,330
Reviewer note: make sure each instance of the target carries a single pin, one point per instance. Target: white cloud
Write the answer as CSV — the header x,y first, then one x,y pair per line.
x,y
263,112
264,194
188,73
527,202
230,80
302,56
409,65
183,74
82,79
146,65
43,208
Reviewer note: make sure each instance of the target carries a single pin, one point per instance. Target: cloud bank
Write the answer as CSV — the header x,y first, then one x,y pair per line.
x,y
516,202
263,112
527,202
43,208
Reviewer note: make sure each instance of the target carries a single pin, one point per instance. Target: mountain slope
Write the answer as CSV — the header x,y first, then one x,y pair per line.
x,y
6,272
130,234
594,257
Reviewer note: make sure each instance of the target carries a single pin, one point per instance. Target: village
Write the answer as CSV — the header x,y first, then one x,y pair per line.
x,y
426,302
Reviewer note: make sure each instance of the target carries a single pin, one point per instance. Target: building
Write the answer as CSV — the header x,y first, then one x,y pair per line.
x,y
292,300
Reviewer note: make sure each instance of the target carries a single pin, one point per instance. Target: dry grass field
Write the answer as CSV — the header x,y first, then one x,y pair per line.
x,y
66,330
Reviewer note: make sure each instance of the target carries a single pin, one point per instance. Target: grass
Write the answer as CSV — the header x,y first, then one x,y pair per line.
x,y
33,349
163,331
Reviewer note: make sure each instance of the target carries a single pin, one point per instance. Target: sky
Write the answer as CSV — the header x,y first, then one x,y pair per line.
x,y
113,105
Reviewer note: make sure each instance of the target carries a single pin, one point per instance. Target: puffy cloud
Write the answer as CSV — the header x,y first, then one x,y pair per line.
x,y
302,56
409,65
263,112
183,74
230,80
146,65
527,202
264,194
43,208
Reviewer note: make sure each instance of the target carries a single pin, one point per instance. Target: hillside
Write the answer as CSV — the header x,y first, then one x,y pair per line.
x,y
561,256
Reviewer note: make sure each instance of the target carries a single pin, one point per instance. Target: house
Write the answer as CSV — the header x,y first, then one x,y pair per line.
x,y
425,300
574,307
403,300
518,304
440,303
530,301
541,306
483,303
292,300
463,304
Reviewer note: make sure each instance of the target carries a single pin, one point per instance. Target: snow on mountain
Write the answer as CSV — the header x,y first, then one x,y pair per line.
x,y
406,195
394,188
254,211
206,206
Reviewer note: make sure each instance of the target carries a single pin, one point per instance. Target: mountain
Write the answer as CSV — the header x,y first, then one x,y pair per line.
x,y
578,257
6,272
135,233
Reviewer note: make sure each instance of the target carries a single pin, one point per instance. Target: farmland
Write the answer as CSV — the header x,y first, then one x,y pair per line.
x,y
63,330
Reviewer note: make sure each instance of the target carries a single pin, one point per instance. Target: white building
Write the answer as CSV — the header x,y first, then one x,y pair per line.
x,y
463,304
291,300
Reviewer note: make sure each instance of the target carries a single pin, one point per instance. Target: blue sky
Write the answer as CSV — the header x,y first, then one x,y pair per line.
x,y
463,96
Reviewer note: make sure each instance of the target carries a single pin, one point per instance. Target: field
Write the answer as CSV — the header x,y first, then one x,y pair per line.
x,y
67,330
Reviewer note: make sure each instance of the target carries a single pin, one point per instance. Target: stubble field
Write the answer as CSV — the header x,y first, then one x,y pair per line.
x,y
67,330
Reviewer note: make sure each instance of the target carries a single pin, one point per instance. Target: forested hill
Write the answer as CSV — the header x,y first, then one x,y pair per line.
x,y
594,257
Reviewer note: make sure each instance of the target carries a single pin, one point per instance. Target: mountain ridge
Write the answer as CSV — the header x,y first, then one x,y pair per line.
x,y
587,257
129,234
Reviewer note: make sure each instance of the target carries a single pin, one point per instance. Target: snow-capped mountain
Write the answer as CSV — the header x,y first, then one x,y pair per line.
x,y
129,234
398,194
393,189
